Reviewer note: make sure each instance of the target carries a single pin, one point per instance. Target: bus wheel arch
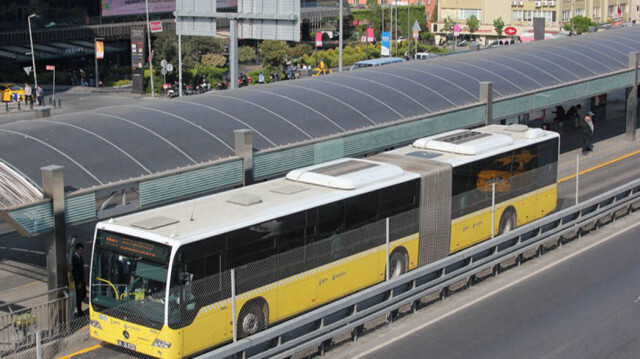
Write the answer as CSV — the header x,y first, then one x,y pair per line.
x,y
508,220
253,318
398,262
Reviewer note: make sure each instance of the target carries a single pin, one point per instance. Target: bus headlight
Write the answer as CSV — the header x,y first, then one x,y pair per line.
x,y
95,324
161,344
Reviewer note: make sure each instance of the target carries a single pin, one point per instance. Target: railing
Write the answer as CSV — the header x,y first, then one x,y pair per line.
x,y
19,322
349,315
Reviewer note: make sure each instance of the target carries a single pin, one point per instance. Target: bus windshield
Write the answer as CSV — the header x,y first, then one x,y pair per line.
x,y
129,278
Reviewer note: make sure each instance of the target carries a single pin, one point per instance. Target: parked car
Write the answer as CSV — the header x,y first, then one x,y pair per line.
x,y
424,55
11,92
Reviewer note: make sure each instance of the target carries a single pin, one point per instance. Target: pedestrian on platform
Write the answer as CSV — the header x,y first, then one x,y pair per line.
x,y
586,133
40,95
27,93
77,271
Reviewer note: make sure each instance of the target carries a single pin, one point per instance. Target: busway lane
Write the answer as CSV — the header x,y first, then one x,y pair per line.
x,y
580,301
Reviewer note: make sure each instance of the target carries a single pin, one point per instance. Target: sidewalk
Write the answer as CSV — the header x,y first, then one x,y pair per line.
x,y
64,94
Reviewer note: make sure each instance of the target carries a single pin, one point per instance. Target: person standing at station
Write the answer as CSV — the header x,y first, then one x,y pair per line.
x,y
71,289
77,271
27,94
586,133
40,95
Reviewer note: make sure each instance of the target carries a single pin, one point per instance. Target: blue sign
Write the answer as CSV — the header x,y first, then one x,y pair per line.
x,y
386,44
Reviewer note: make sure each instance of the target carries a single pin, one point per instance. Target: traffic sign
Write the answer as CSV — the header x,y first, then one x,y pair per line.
x,y
27,69
416,26
510,31
51,67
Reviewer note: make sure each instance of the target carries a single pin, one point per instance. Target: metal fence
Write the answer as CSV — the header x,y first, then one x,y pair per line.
x,y
22,322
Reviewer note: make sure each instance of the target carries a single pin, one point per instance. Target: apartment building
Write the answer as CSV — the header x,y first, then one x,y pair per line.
x,y
519,14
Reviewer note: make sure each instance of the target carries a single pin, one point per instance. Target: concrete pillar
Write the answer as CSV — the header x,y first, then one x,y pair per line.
x,y
53,185
632,100
233,53
486,97
244,149
538,28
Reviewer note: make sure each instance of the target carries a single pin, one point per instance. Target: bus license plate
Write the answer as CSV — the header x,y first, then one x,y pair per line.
x,y
126,345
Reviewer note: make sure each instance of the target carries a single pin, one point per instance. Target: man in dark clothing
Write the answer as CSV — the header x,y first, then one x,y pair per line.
x,y
77,271
586,133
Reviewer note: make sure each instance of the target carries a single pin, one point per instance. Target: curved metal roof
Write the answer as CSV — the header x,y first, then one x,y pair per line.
x,y
111,144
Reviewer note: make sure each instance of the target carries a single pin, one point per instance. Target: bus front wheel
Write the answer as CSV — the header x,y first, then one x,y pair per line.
x,y
251,320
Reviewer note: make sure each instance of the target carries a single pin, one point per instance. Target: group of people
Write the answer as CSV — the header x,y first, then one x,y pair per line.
x,y
30,95
584,124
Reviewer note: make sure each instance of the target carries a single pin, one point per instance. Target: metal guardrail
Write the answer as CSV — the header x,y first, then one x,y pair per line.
x,y
18,327
348,315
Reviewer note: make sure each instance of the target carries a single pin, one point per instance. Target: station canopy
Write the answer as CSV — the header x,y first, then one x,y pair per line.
x,y
110,144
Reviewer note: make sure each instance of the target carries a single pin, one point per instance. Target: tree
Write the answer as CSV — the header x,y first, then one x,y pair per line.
x,y
246,54
217,60
580,23
194,47
473,24
375,13
448,25
498,25
273,53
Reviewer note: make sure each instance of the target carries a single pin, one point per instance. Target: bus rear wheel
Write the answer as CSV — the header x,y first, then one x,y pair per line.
x,y
507,221
397,264
251,320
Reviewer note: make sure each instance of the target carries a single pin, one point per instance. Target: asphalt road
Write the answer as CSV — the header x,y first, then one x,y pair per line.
x,y
580,301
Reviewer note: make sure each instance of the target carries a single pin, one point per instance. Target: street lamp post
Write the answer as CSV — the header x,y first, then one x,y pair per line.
x,y
33,58
150,54
340,41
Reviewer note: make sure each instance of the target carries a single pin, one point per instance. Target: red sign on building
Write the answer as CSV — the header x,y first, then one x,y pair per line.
x,y
156,26
510,31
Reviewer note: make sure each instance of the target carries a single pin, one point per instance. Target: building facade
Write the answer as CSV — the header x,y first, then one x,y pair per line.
x,y
519,14
429,5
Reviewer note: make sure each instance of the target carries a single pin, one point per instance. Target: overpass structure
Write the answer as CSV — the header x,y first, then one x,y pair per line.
x,y
122,159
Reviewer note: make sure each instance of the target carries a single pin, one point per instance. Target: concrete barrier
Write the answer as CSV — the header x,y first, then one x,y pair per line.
x,y
42,112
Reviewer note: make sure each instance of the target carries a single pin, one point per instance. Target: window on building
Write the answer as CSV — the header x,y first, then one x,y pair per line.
x,y
579,12
466,13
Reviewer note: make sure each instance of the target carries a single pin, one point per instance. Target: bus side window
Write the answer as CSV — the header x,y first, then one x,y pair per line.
x,y
330,219
399,198
362,209
292,232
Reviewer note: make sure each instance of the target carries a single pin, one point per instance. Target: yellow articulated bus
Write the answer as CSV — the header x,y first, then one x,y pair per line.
x,y
162,280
